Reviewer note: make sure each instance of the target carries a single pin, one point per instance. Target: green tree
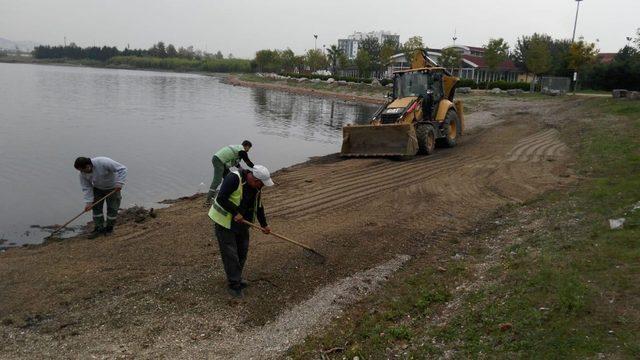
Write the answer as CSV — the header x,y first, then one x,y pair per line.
x,y
268,61
363,62
410,47
519,51
158,50
581,54
522,46
161,51
560,57
186,53
343,61
300,62
372,46
333,53
316,60
495,53
288,59
218,55
622,73
388,49
450,58
171,51
537,57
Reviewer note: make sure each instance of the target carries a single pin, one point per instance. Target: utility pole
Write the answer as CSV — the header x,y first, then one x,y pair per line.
x,y
575,24
455,36
65,41
315,44
573,39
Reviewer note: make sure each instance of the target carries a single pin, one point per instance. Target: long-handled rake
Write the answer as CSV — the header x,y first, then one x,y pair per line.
x,y
307,250
77,216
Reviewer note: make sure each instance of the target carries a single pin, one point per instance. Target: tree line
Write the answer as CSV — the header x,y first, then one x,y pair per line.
x,y
372,57
536,54
158,56
104,53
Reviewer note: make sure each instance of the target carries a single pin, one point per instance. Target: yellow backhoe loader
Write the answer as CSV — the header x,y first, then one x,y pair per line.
x,y
420,112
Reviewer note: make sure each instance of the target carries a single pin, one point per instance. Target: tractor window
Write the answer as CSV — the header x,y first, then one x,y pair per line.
x,y
412,84
436,86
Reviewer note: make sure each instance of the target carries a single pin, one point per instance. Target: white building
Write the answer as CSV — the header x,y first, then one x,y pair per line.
x,y
349,46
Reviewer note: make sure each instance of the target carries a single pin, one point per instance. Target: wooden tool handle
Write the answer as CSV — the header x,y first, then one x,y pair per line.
x,y
257,227
84,211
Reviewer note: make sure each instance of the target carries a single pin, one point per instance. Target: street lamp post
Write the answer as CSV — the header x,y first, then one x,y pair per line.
x,y
315,44
575,23
573,39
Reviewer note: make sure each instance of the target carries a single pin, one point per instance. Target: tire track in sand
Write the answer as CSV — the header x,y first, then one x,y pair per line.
x,y
542,145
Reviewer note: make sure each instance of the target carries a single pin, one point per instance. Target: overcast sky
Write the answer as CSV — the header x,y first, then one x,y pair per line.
x,y
241,27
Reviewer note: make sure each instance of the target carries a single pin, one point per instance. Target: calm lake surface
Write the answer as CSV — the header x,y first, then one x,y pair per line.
x,y
163,126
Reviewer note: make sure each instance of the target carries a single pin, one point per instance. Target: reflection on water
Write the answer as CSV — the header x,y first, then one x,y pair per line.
x,y
311,118
163,126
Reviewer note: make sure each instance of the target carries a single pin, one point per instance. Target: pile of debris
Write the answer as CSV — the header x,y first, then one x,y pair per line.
x,y
136,214
552,92
625,94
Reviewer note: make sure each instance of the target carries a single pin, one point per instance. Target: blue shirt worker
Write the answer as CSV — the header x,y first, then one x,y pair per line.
x,y
100,176
238,199
225,158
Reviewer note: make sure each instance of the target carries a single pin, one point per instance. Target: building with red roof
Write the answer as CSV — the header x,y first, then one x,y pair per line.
x,y
606,58
472,66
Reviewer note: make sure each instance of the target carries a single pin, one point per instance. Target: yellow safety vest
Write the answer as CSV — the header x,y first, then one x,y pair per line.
x,y
229,155
221,216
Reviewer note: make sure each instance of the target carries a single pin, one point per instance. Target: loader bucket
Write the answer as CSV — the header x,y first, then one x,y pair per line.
x,y
379,140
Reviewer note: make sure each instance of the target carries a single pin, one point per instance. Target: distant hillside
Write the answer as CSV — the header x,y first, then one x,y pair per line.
x,y
7,44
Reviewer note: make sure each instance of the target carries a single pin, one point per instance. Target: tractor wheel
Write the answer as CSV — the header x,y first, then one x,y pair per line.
x,y
451,129
426,138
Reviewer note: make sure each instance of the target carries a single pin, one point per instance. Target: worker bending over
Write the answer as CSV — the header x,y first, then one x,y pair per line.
x,y
100,176
225,158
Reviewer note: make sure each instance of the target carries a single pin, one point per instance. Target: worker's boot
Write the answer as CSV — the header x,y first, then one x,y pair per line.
x,y
108,230
97,231
235,292
98,227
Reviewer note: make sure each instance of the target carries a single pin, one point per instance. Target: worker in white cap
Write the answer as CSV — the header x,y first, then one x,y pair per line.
x,y
237,201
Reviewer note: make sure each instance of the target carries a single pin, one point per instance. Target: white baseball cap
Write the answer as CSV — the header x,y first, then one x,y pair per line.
x,y
262,174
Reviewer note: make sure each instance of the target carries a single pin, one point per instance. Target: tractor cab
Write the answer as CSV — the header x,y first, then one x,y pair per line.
x,y
411,89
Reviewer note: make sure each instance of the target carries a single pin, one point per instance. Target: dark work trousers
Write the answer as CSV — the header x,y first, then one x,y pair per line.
x,y
234,246
220,170
113,204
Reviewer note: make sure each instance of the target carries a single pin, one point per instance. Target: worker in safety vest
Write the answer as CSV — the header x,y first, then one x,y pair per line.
x,y
225,158
238,200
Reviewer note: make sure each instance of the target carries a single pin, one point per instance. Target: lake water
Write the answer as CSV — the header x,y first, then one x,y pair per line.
x,y
163,126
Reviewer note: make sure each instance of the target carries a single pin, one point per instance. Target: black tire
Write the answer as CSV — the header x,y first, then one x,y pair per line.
x,y
451,129
426,135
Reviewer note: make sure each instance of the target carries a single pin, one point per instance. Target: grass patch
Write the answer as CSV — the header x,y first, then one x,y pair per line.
x,y
568,289
565,293
388,322
590,91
